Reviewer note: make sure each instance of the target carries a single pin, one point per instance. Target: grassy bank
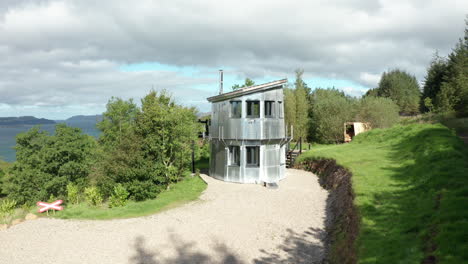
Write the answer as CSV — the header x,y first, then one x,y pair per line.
x,y
411,186
178,194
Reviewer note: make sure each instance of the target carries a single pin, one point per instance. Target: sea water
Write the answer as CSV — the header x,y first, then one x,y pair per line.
x,y
8,136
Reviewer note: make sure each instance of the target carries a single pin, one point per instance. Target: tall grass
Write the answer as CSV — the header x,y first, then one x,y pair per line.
x,y
411,185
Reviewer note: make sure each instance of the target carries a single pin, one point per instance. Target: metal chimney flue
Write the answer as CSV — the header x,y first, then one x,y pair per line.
x,y
220,81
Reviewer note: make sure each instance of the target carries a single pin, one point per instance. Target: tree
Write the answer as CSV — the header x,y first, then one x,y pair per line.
x,y
117,122
371,92
453,94
436,74
46,164
247,83
402,88
154,152
329,110
380,112
289,108
302,106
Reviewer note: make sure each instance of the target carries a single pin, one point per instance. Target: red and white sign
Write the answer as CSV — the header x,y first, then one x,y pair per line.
x,y
48,206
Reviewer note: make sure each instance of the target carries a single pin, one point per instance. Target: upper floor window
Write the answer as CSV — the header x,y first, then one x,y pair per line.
x,y
269,108
253,109
280,109
236,109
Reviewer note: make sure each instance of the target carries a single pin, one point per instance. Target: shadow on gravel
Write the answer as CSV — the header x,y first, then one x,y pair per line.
x,y
185,254
298,249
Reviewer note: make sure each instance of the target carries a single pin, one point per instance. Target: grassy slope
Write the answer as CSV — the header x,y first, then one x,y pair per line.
x,y
411,185
179,193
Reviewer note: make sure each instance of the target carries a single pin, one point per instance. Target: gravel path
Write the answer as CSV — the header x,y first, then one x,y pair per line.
x,y
230,223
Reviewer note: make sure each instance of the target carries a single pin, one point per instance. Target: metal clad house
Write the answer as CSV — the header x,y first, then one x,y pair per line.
x,y
247,134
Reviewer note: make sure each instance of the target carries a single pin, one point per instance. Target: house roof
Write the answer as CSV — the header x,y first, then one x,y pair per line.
x,y
248,90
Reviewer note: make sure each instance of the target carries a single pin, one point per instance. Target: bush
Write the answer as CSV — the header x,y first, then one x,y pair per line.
x,y
152,151
73,193
119,197
45,164
380,112
6,207
329,110
93,196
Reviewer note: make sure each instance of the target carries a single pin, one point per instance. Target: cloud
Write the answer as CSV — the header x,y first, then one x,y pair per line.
x,y
70,52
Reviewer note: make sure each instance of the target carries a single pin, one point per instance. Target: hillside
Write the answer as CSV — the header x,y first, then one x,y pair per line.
x,y
24,120
411,191
85,118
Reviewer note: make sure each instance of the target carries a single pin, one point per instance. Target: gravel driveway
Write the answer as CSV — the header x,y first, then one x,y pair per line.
x,y
230,223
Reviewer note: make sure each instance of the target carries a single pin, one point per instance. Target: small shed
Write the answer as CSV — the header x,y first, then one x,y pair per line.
x,y
247,134
351,129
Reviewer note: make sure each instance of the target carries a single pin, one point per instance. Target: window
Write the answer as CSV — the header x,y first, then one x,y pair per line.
x,y
280,109
253,109
253,156
234,156
269,108
236,109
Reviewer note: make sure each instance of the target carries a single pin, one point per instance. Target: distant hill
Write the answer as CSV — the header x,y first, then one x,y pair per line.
x,y
24,120
85,118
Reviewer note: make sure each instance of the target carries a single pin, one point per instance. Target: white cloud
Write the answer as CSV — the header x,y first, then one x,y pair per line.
x,y
68,52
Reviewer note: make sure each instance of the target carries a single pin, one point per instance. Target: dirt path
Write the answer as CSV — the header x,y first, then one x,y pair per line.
x,y
231,223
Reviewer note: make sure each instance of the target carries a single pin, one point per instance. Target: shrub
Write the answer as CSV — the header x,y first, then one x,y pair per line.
x,y
45,163
7,206
93,196
380,112
73,193
329,110
153,148
119,196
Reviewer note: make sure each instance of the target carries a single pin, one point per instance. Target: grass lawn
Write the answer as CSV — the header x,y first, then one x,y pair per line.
x,y
179,193
411,186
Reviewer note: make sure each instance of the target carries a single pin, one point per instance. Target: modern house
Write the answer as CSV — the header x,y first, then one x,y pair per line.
x,y
248,134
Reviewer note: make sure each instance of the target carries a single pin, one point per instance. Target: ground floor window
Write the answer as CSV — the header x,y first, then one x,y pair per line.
x,y
253,156
234,155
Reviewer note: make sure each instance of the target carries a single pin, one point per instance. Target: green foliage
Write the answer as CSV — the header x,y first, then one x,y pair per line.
x,y
118,121
410,185
372,93
453,94
402,88
446,82
46,164
289,107
153,152
119,197
247,83
428,104
436,73
73,193
380,112
7,207
181,192
329,110
296,107
92,196
302,106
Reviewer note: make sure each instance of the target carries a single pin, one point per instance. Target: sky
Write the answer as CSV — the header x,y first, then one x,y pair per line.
x,y
65,58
